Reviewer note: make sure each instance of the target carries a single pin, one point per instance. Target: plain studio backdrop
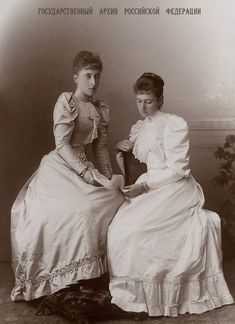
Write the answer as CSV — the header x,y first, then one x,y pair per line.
x,y
195,55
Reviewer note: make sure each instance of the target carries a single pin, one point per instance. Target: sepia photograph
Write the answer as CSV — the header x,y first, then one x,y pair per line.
x,y
117,162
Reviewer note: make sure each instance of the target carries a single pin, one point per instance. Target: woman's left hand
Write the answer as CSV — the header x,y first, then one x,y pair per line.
x,y
132,191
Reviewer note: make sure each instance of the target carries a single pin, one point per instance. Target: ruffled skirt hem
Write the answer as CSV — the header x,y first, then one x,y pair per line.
x,y
60,278
170,298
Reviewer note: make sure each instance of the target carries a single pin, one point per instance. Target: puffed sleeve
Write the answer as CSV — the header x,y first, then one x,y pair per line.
x,y
135,131
100,148
64,117
176,148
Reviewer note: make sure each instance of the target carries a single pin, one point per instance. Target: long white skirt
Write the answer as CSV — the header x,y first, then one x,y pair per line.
x,y
59,230
164,253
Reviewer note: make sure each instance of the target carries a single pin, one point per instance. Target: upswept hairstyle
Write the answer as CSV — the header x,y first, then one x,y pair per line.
x,y
149,82
86,59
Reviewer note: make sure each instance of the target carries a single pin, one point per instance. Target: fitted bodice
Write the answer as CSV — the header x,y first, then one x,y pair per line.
x,y
86,124
147,136
76,124
162,143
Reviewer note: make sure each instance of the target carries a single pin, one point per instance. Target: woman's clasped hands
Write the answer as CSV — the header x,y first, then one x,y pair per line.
x,y
133,190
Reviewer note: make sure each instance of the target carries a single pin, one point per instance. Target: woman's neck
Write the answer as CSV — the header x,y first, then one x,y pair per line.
x,y
78,94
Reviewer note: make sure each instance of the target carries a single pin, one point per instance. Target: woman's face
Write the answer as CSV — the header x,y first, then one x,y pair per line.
x,y
148,104
87,80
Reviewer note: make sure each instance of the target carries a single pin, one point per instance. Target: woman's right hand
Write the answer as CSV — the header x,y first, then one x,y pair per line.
x,y
88,177
124,146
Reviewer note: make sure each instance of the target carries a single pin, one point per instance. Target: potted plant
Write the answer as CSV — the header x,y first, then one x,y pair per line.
x,y
226,178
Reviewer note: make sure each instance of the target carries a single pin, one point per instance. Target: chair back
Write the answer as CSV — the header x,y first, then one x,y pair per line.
x,y
133,168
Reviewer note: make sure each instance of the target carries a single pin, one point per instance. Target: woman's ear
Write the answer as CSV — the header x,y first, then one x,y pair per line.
x,y
161,101
75,77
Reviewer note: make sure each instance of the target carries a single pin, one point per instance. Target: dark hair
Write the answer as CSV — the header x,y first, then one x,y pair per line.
x,y
86,59
149,82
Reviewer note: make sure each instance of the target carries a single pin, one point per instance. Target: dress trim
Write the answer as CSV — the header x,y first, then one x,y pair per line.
x,y
48,283
166,298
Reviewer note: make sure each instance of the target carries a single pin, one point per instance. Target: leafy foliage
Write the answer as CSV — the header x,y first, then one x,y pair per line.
x,y
226,175
226,178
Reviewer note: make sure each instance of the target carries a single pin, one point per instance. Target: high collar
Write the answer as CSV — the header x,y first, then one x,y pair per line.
x,y
155,116
82,97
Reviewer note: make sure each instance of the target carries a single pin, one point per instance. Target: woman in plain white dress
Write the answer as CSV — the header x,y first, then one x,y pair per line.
x,y
61,216
164,249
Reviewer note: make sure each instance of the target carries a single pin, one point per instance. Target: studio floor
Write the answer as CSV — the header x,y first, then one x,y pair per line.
x,y
23,313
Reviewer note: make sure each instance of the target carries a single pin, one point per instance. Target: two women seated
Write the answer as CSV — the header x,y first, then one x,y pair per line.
x,y
162,249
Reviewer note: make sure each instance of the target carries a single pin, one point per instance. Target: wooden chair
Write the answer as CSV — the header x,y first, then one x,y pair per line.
x,y
130,167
